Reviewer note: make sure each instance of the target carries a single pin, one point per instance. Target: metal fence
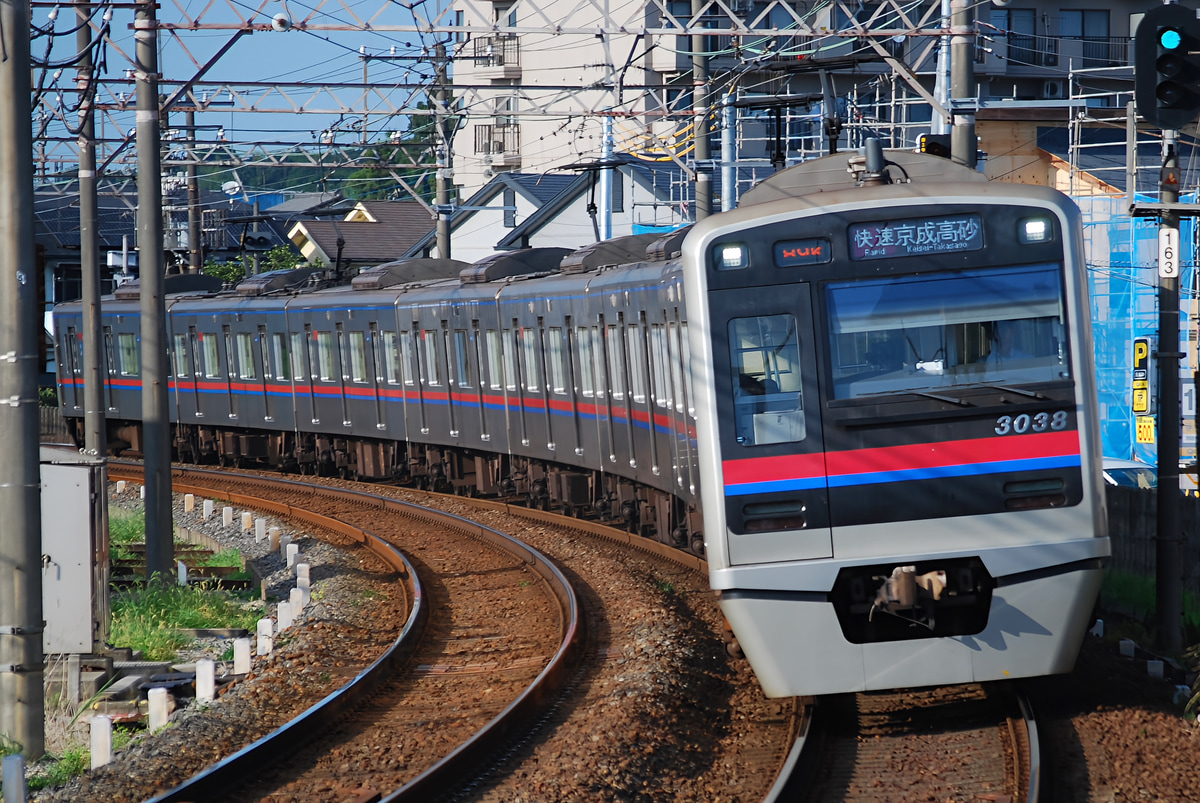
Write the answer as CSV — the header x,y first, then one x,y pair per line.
x,y
52,428
1133,524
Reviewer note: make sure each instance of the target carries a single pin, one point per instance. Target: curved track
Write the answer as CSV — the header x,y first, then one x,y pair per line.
x,y
485,654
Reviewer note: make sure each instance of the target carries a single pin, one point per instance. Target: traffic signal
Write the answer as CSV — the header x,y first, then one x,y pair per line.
x,y
1167,66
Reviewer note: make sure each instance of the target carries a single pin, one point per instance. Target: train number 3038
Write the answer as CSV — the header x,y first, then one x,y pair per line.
x,y
1038,422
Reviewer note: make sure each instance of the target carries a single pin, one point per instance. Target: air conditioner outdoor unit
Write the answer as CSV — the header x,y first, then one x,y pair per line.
x,y
1053,90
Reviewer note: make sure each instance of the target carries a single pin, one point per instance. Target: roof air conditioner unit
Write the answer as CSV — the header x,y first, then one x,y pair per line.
x,y
1053,90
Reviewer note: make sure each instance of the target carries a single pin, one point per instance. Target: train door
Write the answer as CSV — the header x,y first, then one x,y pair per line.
x,y
108,373
183,378
604,412
770,444
195,372
341,371
302,378
264,350
230,371
70,368
376,361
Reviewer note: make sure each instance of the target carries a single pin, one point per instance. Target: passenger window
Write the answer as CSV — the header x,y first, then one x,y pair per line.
x,y
245,356
554,351
765,363
584,336
325,356
130,364
495,360
433,368
510,358
358,356
529,344
684,367
637,364
282,358
391,358
298,341
661,383
179,355
616,373
462,358
212,355
408,358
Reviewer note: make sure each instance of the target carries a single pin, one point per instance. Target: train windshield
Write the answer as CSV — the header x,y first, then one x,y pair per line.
x,y
909,333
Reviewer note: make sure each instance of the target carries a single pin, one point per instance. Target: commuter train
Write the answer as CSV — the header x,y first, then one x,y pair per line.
x,y
866,396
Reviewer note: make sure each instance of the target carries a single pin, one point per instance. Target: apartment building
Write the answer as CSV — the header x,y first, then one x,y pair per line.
x,y
534,81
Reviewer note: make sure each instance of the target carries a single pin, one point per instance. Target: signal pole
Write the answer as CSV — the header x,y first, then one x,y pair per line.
x,y
445,155
95,436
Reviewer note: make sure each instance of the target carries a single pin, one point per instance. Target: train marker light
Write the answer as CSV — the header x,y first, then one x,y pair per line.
x,y
1034,230
732,256
1167,66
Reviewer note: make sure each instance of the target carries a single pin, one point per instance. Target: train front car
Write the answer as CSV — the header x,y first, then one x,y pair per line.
x,y
897,427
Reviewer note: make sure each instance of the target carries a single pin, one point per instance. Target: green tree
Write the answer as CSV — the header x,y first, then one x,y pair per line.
x,y
230,271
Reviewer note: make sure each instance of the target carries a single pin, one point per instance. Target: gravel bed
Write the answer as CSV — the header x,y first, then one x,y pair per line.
x,y
343,629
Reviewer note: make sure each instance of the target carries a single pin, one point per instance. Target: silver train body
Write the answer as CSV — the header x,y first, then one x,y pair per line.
x,y
876,510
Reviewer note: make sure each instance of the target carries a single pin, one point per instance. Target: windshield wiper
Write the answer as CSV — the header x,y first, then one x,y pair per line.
x,y
1033,394
926,394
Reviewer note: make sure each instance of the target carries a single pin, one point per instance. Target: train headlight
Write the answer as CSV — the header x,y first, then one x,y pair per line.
x,y
731,256
1035,230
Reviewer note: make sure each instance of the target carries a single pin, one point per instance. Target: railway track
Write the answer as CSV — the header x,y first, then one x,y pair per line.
x,y
492,633
720,711
972,742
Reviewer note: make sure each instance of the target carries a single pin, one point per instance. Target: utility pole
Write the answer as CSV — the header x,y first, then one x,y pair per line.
x,y
195,234
445,158
1168,540
700,119
156,425
22,704
963,145
95,435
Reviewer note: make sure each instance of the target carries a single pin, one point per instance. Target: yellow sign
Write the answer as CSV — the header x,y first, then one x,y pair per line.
x,y
1141,400
1145,429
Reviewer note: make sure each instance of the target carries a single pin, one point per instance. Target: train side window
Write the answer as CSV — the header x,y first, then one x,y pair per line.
x,y
408,356
584,337
433,366
179,355
130,364
554,351
358,356
391,359
495,352
660,357
325,364
245,356
637,363
529,350
677,340
764,355
510,359
264,351
298,341
462,359
212,355
616,368
73,351
280,357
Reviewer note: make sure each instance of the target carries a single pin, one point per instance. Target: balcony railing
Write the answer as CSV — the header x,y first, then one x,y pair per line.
x,y
498,139
1080,53
501,50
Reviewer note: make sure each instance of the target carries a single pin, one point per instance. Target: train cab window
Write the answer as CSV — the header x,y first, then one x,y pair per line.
x,y
280,357
298,341
433,365
245,356
391,358
616,369
462,359
179,358
358,356
129,361
904,334
529,350
768,405
325,366
554,355
495,359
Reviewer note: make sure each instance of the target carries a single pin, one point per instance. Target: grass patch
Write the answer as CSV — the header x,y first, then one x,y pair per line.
x,y
126,526
226,557
1135,593
146,618
57,770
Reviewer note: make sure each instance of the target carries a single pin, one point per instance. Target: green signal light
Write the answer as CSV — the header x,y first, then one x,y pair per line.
x,y
1169,38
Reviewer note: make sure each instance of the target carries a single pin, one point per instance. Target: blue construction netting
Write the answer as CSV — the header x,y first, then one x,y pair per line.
x,y
1122,261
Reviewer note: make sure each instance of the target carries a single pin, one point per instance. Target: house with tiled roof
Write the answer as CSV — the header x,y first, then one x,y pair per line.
x,y
371,233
